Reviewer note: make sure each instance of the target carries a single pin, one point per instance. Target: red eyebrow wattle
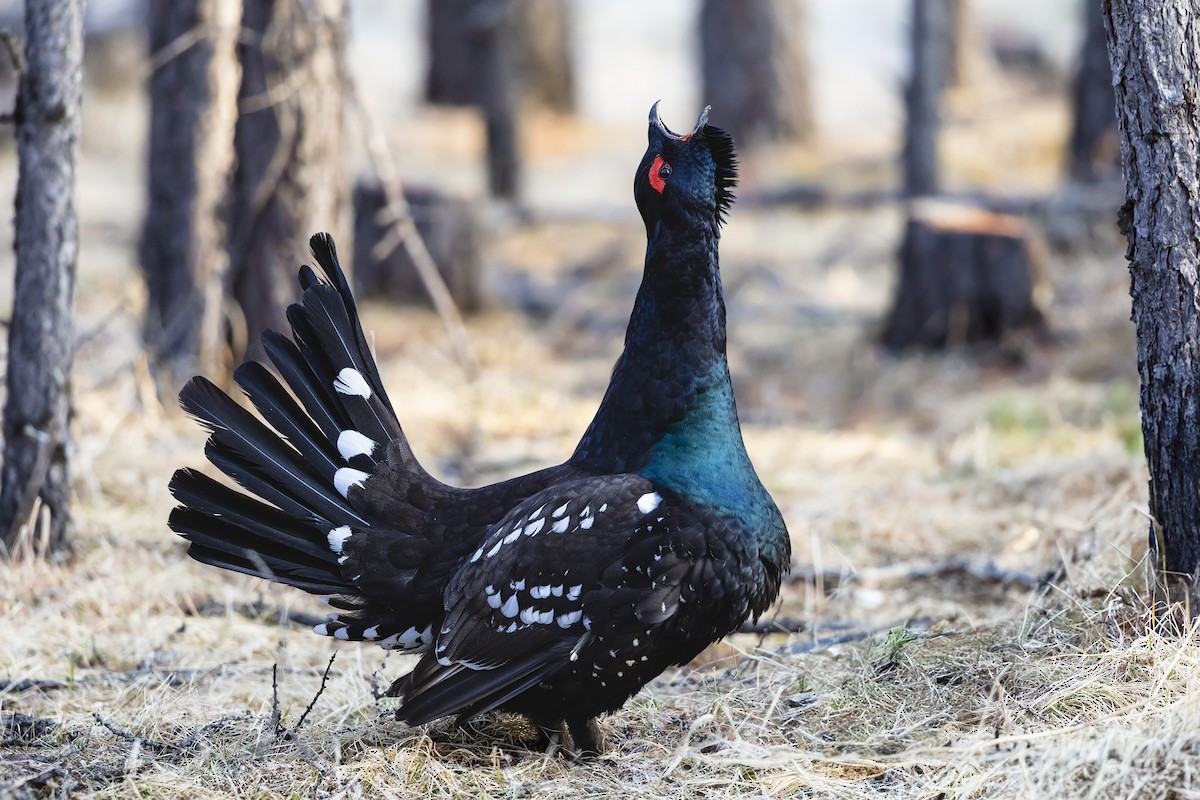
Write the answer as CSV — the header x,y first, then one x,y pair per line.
x,y
656,181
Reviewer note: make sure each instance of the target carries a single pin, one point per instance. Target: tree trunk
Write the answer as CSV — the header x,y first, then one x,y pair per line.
x,y
755,70
1093,152
492,38
290,181
1155,60
543,52
41,333
546,72
958,43
929,37
193,94
451,69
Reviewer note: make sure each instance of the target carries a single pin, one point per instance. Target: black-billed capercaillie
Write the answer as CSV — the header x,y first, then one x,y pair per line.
x,y
557,594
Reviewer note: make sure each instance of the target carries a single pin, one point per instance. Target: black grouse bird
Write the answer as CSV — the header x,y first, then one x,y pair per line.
x,y
557,594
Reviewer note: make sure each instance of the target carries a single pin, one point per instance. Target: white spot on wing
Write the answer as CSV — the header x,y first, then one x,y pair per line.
x,y
342,633
561,525
351,381
346,477
337,537
648,502
510,607
352,443
321,630
574,591
529,615
371,633
586,522
567,620
558,512
535,526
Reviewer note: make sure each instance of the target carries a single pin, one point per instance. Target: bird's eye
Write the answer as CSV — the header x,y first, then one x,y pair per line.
x,y
659,172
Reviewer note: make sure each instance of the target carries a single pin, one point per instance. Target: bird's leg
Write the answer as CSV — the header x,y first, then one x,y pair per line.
x,y
586,736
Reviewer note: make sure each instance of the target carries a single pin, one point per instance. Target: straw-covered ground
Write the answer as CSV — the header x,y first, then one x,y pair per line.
x,y
968,579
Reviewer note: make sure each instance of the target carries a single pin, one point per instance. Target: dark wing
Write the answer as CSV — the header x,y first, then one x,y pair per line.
x,y
553,578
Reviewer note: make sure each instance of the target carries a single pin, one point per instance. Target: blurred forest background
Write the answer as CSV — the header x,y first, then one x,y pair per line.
x,y
929,335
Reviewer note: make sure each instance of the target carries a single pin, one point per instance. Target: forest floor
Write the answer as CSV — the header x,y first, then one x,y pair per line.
x,y
969,536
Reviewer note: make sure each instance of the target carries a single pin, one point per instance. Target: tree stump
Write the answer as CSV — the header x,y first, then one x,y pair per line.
x,y
450,229
965,278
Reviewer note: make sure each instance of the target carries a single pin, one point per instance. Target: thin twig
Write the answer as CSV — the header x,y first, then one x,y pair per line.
x,y
405,233
324,679
276,713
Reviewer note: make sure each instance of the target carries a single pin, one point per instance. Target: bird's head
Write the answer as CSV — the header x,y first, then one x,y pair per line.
x,y
685,180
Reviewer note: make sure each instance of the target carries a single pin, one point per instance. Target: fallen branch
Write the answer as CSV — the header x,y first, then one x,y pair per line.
x,y
984,571
257,610
775,625
140,741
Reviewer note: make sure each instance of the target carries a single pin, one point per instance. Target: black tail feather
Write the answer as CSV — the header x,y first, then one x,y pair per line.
x,y
314,395
325,254
239,433
260,521
279,409
331,326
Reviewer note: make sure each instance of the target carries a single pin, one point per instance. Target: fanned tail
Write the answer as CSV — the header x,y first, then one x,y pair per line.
x,y
328,426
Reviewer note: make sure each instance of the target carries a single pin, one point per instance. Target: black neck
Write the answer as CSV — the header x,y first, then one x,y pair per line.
x,y
674,350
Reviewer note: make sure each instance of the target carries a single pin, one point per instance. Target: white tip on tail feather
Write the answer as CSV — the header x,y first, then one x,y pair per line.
x,y
346,477
351,381
353,443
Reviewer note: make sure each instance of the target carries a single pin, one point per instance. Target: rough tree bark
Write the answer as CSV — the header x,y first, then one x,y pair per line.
x,y
929,37
41,334
755,70
1092,150
1154,47
193,108
289,181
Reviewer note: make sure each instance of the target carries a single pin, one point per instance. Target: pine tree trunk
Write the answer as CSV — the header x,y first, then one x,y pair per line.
x,y
922,96
544,69
544,64
451,68
1092,152
1155,58
755,70
493,39
290,180
193,94
41,333
958,53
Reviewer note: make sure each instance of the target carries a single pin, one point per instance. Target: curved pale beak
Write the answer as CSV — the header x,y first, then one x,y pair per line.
x,y
658,124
